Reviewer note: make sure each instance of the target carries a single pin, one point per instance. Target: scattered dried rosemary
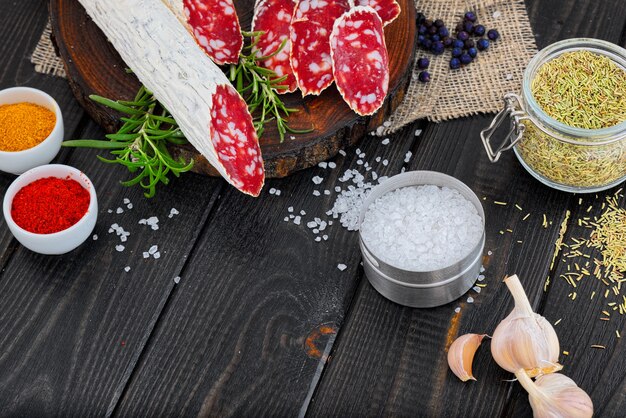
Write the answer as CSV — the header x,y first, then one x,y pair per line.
x,y
582,89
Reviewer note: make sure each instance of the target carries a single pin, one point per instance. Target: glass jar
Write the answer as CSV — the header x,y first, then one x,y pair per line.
x,y
561,156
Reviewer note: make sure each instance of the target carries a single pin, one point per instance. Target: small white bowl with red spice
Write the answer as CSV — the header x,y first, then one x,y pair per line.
x,y
31,129
51,209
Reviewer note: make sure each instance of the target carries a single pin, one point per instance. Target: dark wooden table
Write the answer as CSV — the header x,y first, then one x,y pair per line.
x,y
262,323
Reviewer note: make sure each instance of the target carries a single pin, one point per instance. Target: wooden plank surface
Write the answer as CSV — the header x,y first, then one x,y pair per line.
x,y
404,350
249,330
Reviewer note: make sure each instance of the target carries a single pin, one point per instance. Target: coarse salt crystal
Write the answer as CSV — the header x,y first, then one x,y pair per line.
x,y
470,300
297,220
317,180
323,164
119,210
173,212
311,224
156,255
302,212
153,249
325,237
145,254
386,124
407,156
457,309
177,279
421,228
385,162
127,269
327,192
476,289
110,211
385,141
496,14
126,201
318,239
119,248
129,206
278,192
286,218
290,209
342,267
418,132
316,193
332,165
272,191
342,152
95,236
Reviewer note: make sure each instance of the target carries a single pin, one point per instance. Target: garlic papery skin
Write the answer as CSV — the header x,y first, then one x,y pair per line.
x,y
461,355
524,339
555,396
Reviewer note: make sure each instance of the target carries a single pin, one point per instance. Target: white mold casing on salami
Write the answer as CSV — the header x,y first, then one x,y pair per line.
x,y
274,18
214,24
360,59
167,60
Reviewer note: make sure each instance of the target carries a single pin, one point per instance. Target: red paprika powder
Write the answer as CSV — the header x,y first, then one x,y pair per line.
x,y
50,205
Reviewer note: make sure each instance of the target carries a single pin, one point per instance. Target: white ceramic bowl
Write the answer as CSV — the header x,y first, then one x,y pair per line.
x,y
59,242
19,161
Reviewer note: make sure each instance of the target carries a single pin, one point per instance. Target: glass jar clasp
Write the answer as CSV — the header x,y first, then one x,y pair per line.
x,y
513,111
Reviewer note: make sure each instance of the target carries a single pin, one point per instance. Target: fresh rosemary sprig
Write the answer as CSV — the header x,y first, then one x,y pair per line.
x,y
259,86
141,142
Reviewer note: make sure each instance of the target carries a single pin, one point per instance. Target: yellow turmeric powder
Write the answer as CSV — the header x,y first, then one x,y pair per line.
x,y
24,125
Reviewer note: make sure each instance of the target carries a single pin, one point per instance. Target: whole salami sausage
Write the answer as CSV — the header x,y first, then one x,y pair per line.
x,y
310,43
214,24
360,61
167,60
273,17
388,10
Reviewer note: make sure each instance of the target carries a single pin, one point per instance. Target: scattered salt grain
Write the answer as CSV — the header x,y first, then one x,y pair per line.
x,y
418,132
278,192
476,289
297,220
119,248
325,237
311,224
173,212
496,14
421,228
302,212
457,309
323,164
145,254
316,193
481,277
95,237
272,191
380,130
385,162
110,211
318,239
407,156
385,141
332,165
342,267
156,255
374,175
127,269
290,209
342,152
316,231
152,222
119,210
291,216
482,269
337,189
470,300
129,206
177,279
509,76
126,201
286,218
327,192
153,249
386,124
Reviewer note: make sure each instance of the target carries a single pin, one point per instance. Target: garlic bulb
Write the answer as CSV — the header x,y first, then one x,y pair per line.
x,y
556,395
461,354
524,339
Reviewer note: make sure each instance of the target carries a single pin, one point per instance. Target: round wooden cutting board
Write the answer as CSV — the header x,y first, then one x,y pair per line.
x,y
94,67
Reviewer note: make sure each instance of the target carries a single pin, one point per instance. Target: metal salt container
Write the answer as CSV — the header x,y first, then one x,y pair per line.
x,y
422,289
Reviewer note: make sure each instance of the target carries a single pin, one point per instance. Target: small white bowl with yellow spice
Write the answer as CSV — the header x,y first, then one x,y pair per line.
x,y
31,129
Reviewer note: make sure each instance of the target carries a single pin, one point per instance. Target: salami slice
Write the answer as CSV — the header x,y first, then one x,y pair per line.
x,y
167,60
310,43
360,61
274,18
388,10
214,24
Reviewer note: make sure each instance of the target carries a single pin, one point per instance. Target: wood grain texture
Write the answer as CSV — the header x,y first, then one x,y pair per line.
x,y
249,329
72,327
94,67
408,364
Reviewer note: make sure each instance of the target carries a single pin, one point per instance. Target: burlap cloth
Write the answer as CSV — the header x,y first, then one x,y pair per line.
x,y
476,88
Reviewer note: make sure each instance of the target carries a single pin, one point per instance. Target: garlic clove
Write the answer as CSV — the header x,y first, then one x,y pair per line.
x,y
461,355
524,339
556,395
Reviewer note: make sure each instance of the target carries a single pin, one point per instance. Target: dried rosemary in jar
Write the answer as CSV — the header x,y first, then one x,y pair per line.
x,y
571,130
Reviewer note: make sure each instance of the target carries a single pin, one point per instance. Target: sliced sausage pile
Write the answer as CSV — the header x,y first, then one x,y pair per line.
x,y
329,41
